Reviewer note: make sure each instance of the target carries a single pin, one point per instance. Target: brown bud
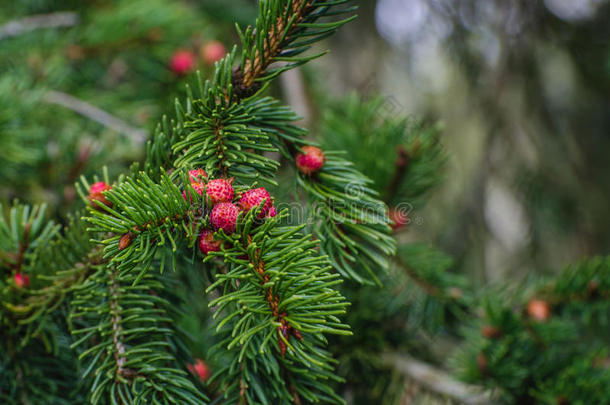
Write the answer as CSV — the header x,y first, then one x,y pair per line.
x,y
538,310
490,332
96,194
125,241
562,401
282,345
296,333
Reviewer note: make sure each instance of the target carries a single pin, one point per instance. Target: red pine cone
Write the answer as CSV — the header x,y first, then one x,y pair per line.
x,y
538,310
207,243
199,187
272,212
200,369
22,280
212,51
311,160
219,191
252,198
224,216
182,62
95,193
398,218
197,175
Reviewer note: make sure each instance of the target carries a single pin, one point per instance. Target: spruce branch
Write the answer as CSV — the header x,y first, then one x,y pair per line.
x,y
146,216
127,335
280,26
62,263
273,278
350,221
226,140
528,342
276,303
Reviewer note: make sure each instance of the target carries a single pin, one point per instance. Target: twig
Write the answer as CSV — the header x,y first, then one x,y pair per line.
x,y
437,380
115,320
17,27
253,68
137,135
244,76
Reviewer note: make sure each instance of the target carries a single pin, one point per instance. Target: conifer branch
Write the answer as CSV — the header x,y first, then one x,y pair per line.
x,y
349,219
130,356
279,27
275,288
294,13
115,322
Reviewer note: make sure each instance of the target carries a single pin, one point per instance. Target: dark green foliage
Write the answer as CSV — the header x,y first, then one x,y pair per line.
x,y
151,215
366,131
420,299
44,371
532,360
35,340
277,302
128,337
349,219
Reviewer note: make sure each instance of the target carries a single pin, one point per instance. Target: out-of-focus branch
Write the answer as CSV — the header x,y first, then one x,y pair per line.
x,y
436,380
137,135
295,93
54,20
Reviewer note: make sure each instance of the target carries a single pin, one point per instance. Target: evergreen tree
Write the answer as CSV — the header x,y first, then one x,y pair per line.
x,y
183,249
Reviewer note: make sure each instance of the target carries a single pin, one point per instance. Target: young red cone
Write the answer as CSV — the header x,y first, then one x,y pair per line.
x,y
220,191
311,160
224,216
22,280
200,369
207,243
212,51
538,310
182,62
199,187
398,218
96,193
253,198
198,175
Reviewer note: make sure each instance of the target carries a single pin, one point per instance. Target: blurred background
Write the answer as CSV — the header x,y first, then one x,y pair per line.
x,y
518,89
522,90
